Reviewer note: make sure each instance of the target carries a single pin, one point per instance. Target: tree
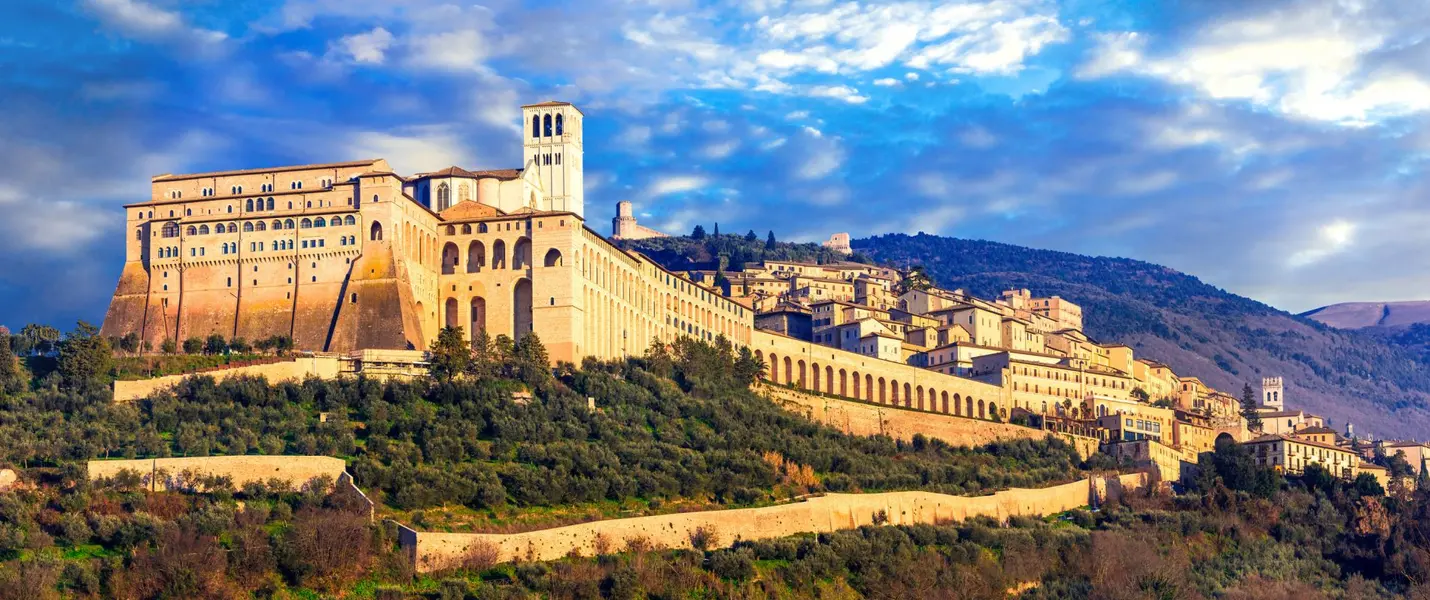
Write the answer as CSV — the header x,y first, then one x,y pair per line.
x,y
698,233
130,342
770,241
239,345
37,339
752,236
1248,408
449,355
1140,394
85,358
12,376
215,344
915,279
193,345
532,362
749,369
485,362
168,346
716,234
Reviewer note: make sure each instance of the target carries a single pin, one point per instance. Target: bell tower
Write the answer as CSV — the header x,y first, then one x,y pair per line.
x,y
552,147
1273,393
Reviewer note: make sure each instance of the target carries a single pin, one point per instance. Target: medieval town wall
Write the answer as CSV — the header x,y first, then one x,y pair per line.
x,y
431,551
294,470
326,367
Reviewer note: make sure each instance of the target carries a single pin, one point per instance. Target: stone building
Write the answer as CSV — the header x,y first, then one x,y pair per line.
x,y
624,226
350,256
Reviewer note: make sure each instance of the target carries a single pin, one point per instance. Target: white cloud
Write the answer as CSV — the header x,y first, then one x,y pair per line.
x,y
838,92
887,81
414,149
150,23
463,49
720,150
819,162
1331,239
676,184
797,115
1313,62
367,48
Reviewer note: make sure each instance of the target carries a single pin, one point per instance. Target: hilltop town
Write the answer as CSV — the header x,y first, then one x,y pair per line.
x,y
355,261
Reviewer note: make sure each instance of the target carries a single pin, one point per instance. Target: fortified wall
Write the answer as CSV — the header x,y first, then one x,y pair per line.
x,y
858,418
432,551
326,367
294,470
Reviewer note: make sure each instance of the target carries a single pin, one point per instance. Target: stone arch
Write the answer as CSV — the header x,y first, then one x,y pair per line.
x,y
828,379
869,387
815,373
452,318
478,316
801,374
521,254
1224,438
993,410
451,257
981,413
553,258
499,255
789,374
476,256
375,234
883,392
945,401
908,396
521,308
968,407
894,392
920,392
844,384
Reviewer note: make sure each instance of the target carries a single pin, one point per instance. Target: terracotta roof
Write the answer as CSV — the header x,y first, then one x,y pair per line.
x,y
1276,437
464,211
551,103
338,165
1316,430
1372,466
447,172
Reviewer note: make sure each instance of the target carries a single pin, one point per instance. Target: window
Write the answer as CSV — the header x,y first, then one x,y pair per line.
x,y
248,206
535,126
204,229
558,157
296,185
320,222
270,204
558,125
306,224
349,220
546,125
170,229
444,197
288,224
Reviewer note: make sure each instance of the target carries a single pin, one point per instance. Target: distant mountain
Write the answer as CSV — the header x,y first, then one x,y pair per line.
x,y
1359,315
1226,340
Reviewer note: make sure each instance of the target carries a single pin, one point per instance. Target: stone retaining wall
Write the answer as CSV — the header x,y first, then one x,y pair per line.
x,y
859,418
326,367
159,472
431,551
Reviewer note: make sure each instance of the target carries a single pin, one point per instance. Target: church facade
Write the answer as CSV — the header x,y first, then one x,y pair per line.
x,y
350,256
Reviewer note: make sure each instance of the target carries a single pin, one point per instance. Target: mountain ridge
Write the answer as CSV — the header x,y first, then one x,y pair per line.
x,y
1361,315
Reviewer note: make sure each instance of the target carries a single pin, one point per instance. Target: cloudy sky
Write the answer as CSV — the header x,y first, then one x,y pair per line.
x,y
1276,148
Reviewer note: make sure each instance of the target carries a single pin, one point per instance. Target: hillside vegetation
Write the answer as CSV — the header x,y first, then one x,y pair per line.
x,y
1200,330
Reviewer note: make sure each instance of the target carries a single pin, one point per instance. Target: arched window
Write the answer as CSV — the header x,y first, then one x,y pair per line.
x,y
349,220
247,227
261,226
535,126
138,234
558,124
230,209
466,228
270,204
444,197
476,256
320,222
376,233
204,229
451,230
463,193
288,224
481,227
546,125
305,223
192,230
233,228
499,255
248,205
553,256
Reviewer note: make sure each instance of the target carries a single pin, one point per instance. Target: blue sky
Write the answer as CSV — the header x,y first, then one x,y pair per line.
x,y
1276,148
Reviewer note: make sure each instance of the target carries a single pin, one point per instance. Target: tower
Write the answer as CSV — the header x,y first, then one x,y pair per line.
x,y
551,134
625,222
1272,393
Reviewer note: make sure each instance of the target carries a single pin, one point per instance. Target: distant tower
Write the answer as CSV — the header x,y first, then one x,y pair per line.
x,y
625,222
551,134
1273,395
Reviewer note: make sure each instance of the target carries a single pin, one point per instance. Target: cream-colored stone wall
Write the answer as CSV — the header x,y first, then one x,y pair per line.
x,y
435,551
294,470
859,418
326,367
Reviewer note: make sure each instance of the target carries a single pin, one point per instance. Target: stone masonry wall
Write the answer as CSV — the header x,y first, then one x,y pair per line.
x,y
432,551
858,418
325,367
295,470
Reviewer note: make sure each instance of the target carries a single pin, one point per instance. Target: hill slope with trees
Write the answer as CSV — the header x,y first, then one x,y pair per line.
x,y
1224,339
